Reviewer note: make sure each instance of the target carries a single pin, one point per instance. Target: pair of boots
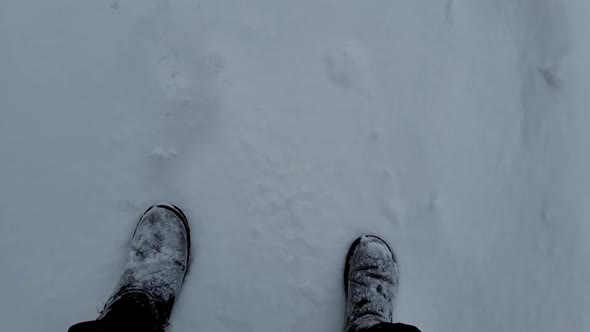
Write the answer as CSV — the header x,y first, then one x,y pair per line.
x,y
158,261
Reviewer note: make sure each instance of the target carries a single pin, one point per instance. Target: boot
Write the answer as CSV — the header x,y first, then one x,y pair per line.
x,y
152,278
370,282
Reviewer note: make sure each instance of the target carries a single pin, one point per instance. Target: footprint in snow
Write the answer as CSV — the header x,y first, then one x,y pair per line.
x,y
342,70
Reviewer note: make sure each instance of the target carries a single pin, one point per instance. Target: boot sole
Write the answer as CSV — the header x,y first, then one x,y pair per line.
x,y
351,252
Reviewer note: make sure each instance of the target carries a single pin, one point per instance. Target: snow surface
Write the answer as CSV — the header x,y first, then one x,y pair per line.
x,y
457,130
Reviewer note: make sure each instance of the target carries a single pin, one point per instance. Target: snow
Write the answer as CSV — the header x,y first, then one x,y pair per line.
x,y
456,130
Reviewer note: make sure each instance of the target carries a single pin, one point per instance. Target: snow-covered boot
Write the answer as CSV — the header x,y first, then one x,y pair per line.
x,y
152,278
370,282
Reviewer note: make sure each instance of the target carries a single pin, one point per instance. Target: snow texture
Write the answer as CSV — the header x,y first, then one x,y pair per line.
x,y
456,130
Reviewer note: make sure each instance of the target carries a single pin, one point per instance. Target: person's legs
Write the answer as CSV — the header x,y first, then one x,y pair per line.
x,y
152,277
391,327
370,283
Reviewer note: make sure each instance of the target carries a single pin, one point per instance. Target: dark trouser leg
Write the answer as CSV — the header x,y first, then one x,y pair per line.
x,y
112,326
131,313
391,327
96,326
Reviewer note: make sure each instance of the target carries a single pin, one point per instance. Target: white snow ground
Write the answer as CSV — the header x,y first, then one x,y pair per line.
x,y
457,130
